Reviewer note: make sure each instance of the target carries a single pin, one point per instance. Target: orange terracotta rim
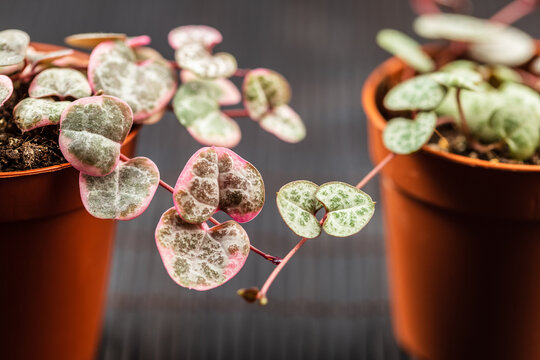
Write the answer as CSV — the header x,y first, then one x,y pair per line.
x,y
369,91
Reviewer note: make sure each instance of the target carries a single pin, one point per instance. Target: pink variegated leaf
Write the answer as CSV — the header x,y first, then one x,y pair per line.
x,y
92,131
230,95
206,35
6,89
32,113
284,123
124,194
46,57
198,257
72,61
147,86
217,129
60,82
263,90
217,178
11,69
138,41
196,58
13,44
91,40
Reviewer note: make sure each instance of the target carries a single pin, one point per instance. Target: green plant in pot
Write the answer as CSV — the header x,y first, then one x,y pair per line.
x,y
66,121
460,120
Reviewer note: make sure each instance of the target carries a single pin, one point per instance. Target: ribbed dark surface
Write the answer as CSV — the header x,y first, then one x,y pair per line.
x,y
331,302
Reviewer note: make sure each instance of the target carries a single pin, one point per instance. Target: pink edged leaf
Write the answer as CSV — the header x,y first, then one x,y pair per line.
x,y
13,44
285,124
196,58
206,35
32,113
11,69
40,57
198,257
152,119
263,90
91,40
230,95
6,89
92,131
196,107
72,61
147,87
144,53
216,178
124,194
60,82
137,41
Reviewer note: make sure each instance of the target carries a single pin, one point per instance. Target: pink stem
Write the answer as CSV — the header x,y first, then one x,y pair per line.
x,y
424,6
375,170
236,113
241,72
514,11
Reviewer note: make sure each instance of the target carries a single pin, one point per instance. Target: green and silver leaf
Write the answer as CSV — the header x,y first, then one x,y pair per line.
x,y
405,136
348,208
297,206
13,44
405,48
464,79
32,113
419,93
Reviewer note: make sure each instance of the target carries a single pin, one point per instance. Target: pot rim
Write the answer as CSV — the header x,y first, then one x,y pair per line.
x,y
374,116
10,174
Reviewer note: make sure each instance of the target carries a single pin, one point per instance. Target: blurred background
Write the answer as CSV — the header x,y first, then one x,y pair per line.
x,y
331,301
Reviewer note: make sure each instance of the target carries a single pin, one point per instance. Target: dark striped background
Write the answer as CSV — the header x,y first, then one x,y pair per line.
x,y
331,302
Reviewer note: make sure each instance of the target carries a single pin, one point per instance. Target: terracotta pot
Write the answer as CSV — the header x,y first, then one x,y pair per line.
x,y
54,263
463,246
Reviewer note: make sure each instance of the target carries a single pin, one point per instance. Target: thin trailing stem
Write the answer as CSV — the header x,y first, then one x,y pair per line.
x,y
241,72
514,11
273,259
424,6
235,113
261,296
375,170
462,119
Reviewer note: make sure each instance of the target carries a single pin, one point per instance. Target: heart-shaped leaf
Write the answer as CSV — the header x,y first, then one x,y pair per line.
x,y
519,127
124,194
284,123
45,57
520,95
348,208
196,58
405,48
6,89
419,93
405,136
147,87
510,46
196,107
198,257
215,179
464,79
13,44
91,40
504,73
92,131
11,69
60,82
229,93
297,206
32,113
206,35
263,90
455,27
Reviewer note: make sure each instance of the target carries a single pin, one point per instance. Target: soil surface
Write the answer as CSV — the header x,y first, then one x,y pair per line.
x,y
33,149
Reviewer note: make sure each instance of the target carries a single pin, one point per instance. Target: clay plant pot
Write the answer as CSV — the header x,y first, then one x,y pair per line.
x,y
54,263
463,247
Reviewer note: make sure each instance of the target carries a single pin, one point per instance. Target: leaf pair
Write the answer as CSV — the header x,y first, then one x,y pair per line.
x,y
216,179
266,95
193,45
348,209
